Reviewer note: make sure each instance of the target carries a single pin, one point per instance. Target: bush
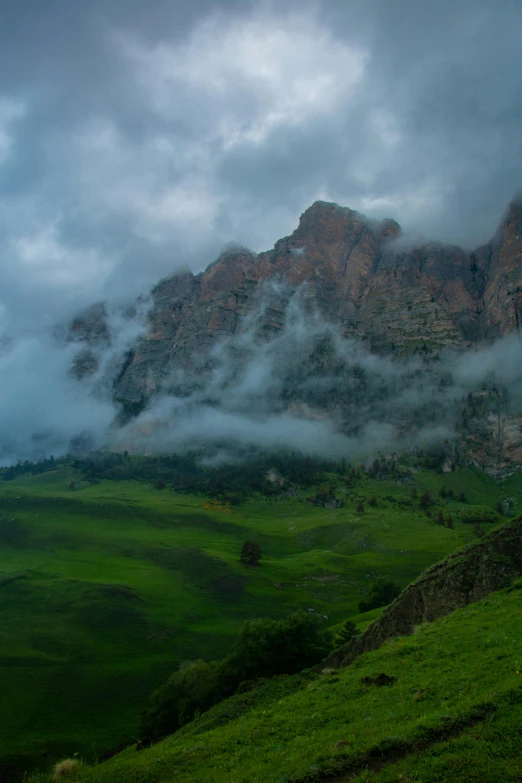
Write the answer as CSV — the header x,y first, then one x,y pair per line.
x,y
264,648
348,632
250,553
426,500
382,593
477,515
195,687
269,647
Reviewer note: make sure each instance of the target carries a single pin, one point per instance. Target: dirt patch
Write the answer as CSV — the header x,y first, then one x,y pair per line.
x,y
381,680
393,750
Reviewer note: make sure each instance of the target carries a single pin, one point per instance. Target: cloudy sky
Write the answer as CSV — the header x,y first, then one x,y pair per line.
x,y
138,137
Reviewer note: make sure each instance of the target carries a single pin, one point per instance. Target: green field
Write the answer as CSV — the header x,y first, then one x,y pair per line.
x,y
106,589
451,711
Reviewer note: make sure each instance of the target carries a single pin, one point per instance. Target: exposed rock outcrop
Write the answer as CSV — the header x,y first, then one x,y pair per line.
x,y
462,578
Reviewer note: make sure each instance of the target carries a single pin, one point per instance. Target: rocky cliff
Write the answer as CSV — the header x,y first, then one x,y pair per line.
x,y
463,578
355,270
361,276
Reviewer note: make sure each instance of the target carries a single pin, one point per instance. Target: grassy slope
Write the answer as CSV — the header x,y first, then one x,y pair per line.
x,y
453,713
122,583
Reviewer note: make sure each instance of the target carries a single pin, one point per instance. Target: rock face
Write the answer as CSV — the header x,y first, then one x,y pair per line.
x,y
463,578
357,275
361,277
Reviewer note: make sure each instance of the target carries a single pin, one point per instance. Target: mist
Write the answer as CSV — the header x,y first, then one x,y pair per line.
x,y
305,388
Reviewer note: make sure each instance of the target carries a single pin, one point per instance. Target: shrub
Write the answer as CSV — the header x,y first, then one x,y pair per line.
x,y
264,648
360,507
250,553
66,768
268,647
382,593
373,501
348,632
426,500
478,514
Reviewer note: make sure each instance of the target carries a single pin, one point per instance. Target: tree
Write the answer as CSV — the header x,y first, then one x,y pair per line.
x,y
449,522
265,648
189,691
462,497
479,530
348,632
360,507
382,593
268,647
440,518
373,501
500,507
250,553
426,500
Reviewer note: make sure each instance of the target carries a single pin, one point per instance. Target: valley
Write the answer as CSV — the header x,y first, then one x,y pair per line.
x,y
107,588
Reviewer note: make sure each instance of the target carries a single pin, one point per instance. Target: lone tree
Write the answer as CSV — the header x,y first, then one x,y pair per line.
x,y
250,553
348,632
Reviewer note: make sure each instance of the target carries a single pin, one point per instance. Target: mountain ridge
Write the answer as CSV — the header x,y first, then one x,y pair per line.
x,y
359,276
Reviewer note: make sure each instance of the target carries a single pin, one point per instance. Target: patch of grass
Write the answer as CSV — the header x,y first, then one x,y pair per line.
x,y
450,710
105,590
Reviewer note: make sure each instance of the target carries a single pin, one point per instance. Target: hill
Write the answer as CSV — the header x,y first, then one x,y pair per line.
x,y
442,705
107,588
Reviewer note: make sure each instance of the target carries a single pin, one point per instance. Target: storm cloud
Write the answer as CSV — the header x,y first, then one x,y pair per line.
x,y
136,140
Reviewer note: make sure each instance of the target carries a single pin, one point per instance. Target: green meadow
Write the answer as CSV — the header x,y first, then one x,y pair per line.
x,y
448,709
107,588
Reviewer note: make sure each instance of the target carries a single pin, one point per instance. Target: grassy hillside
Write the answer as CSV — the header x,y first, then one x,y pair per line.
x,y
442,705
104,590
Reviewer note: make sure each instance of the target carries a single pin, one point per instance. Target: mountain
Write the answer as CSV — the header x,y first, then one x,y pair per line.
x,y
362,277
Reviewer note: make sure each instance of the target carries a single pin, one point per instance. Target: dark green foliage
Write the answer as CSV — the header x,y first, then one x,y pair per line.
x,y
348,632
191,690
184,472
373,501
32,468
382,593
426,500
268,647
265,648
360,507
479,530
250,553
478,514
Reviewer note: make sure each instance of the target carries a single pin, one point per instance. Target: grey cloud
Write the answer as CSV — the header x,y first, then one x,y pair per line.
x,y
124,166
